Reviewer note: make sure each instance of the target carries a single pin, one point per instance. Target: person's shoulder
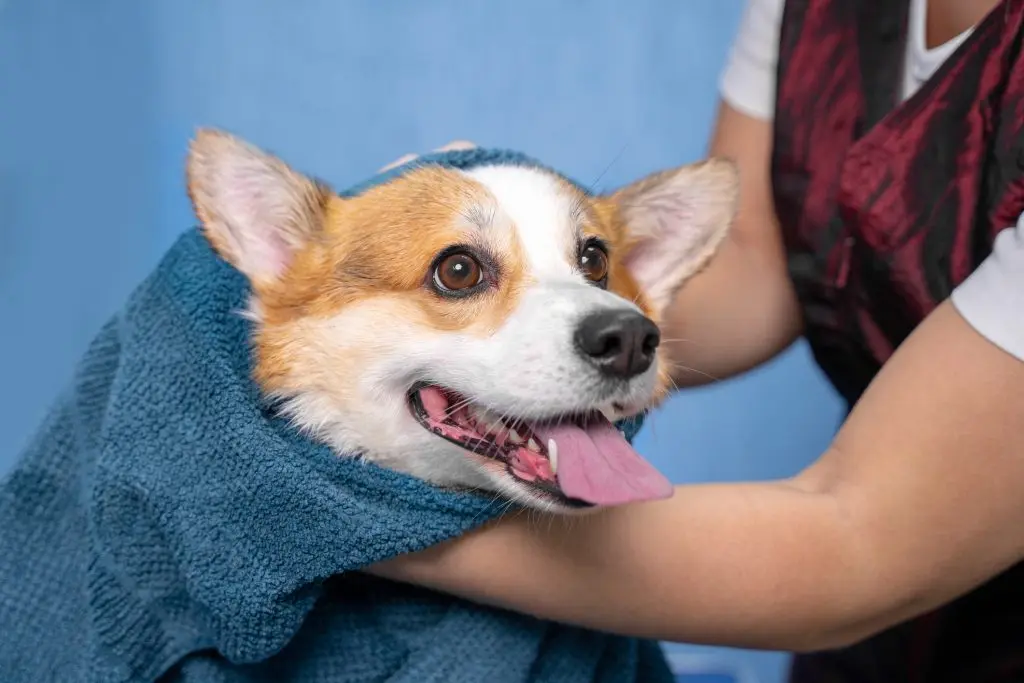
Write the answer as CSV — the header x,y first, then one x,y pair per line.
x,y
768,7
992,298
748,81
763,16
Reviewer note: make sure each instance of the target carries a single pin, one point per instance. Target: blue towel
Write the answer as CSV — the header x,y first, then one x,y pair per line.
x,y
164,524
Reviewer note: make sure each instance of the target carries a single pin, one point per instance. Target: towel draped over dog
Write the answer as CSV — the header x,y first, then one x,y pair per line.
x,y
164,524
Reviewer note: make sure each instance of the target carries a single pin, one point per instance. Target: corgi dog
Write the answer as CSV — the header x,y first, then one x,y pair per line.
x,y
478,329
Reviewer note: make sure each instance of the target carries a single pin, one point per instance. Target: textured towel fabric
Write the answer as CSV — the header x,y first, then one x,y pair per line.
x,y
164,524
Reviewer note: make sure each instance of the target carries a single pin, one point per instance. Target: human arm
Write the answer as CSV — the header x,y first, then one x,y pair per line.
x,y
918,500
741,310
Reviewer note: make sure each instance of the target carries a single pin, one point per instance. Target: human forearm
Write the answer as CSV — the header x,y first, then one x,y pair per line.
x,y
716,563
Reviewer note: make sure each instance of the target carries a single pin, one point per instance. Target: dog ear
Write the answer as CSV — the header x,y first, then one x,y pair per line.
x,y
255,210
675,221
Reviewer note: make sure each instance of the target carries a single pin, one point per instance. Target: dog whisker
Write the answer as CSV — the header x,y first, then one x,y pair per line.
x,y
687,368
607,168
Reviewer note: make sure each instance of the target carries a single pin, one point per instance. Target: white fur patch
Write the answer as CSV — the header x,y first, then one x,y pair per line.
x,y
540,211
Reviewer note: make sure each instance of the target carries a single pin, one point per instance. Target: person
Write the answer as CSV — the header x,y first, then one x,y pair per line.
x,y
881,152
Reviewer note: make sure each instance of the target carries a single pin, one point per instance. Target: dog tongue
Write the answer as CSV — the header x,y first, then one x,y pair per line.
x,y
597,465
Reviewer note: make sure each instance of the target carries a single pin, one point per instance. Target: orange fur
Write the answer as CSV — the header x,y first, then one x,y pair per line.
x,y
382,244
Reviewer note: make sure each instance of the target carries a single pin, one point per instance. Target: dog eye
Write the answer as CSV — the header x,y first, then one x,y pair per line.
x,y
457,272
594,262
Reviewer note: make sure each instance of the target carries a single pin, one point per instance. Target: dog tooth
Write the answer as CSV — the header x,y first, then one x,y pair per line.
x,y
533,446
477,414
484,417
553,455
484,420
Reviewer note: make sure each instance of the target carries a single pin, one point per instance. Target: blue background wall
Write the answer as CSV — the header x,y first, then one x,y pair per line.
x,y
97,101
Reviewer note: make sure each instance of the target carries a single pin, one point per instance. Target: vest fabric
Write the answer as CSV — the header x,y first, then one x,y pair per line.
x,y
886,206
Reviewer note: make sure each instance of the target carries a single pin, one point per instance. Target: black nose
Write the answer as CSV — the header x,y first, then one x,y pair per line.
x,y
621,343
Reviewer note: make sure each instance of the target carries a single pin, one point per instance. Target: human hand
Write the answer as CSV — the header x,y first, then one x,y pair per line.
x,y
450,147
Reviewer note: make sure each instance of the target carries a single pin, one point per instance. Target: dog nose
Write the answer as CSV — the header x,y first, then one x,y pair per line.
x,y
620,343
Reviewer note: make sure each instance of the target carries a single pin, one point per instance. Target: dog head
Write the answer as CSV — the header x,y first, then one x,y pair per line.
x,y
477,328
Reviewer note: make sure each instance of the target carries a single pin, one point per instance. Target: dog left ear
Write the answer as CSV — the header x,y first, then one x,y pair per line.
x,y
675,221
255,210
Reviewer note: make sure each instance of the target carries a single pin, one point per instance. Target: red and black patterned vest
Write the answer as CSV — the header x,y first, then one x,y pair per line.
x,y
886,207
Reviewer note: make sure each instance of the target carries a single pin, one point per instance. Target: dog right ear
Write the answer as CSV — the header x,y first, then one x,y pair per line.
x,y
676,220
255,210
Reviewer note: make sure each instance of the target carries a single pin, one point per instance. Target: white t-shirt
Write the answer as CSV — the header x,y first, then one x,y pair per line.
x,y
992,298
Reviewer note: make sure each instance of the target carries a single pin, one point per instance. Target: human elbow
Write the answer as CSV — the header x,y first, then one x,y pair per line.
x,y
834,638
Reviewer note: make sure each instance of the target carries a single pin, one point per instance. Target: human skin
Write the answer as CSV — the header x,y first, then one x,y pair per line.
x,y
915,502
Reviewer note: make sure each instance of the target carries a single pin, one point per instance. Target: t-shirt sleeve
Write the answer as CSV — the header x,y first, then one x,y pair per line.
x,y
748,80
992,298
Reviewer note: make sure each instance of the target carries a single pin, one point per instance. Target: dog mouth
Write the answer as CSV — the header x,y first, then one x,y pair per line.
x,y
578,460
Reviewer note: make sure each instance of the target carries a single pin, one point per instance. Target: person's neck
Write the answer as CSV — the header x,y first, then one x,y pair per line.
x,y
946,19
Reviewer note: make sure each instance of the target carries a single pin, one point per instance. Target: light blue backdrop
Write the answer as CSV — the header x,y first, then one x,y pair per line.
x,y
97,100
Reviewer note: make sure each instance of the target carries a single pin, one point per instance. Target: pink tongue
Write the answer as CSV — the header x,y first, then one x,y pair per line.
x,y
597,465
